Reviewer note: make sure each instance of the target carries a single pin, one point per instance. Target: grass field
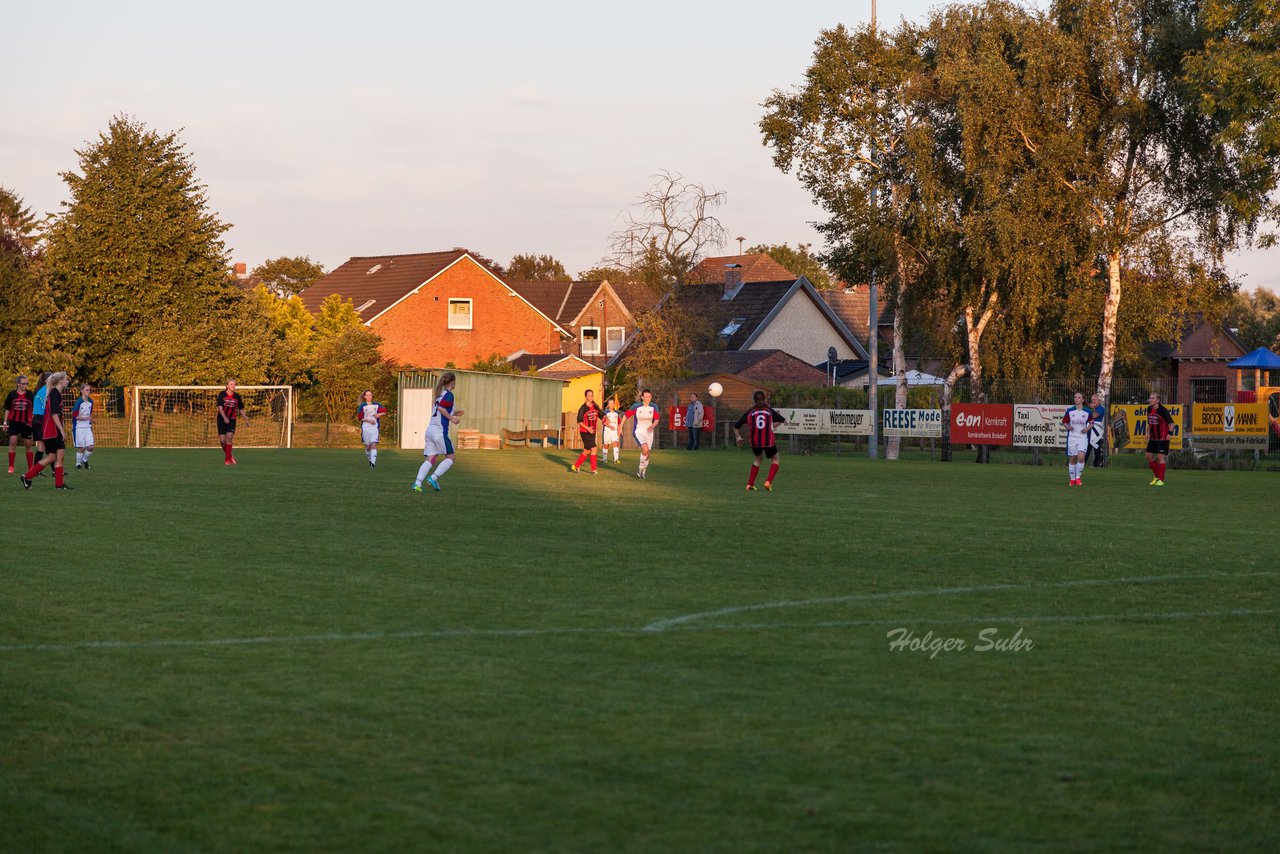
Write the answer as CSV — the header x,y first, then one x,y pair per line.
x,y
299,653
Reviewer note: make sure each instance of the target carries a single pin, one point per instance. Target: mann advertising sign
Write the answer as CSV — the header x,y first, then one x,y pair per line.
x,y
1129,426
1230,426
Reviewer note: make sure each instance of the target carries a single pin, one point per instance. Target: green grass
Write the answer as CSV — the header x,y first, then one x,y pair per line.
x,y
299,653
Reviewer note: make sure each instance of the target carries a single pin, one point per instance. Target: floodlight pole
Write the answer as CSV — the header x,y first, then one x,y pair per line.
x,y
873,332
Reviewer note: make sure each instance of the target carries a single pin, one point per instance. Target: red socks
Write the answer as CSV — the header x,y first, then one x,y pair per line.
x,y
593,463
57,476
34,470
1160,467
751,479
226,450
31,459
773,472
582,458
13,454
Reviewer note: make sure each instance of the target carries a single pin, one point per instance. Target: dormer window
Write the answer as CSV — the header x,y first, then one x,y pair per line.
x,y
734,326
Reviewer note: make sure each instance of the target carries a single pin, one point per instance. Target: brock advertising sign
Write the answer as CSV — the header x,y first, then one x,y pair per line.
x,y
982,424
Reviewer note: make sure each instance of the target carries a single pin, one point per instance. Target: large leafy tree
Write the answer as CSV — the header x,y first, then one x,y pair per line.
x,y
536,268
289,276
35,338
1181,141
136,258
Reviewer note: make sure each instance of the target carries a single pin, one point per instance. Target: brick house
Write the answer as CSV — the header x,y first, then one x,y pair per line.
x,y
600,316
770,368
1198,364
788,315
434,308
757,267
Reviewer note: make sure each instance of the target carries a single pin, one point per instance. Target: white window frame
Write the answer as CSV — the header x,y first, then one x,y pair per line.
x,y
622,339
470,308
582,339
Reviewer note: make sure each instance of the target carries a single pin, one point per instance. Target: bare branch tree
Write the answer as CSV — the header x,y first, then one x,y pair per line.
x,y
667,231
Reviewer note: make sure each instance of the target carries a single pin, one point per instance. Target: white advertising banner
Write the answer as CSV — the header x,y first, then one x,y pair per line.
x,y
803,422
1039,425
846,422
918,423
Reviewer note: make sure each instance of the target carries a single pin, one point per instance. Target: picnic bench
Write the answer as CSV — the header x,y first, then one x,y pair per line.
x,y
526,438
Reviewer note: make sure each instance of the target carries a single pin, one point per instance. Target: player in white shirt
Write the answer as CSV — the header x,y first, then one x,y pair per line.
x,y
646,415
82,426
1078,420
369,414
612,428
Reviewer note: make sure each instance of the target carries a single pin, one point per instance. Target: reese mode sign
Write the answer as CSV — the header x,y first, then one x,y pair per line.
x,y
922,423
982,424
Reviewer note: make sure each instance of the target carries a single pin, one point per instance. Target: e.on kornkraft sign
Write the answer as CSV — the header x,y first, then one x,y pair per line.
x,y
982,424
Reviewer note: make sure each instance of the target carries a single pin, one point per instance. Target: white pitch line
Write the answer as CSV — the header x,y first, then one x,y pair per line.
x,y
338,637
684,619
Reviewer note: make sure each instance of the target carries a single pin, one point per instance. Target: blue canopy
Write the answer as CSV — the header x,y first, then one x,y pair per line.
x,y
1260,359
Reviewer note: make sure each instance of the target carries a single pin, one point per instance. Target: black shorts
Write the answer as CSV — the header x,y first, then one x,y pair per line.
x,y
225,427
21,431
588,440
770,452
54,444
37,426
1158,446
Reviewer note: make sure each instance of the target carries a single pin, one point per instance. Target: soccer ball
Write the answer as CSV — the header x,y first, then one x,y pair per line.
x,y
715,389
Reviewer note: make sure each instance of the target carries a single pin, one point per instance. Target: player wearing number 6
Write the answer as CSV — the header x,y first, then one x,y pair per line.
x,y
759,421
369,414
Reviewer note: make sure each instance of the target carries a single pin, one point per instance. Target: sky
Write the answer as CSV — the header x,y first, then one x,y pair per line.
x,y
338,129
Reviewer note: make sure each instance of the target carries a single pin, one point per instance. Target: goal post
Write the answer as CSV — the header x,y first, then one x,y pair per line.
x,y
184,416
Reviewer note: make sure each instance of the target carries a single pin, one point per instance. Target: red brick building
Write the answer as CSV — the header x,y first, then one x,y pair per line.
x,y
600,316
433,308
1198,364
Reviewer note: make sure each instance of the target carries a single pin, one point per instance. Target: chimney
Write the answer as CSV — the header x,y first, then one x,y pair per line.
x,y
242,270
732,280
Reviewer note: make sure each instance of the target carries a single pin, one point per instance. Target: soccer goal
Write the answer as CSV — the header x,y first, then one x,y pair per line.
x,y
169,416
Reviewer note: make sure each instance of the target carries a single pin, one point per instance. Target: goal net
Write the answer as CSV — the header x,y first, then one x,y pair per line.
x,y
186,416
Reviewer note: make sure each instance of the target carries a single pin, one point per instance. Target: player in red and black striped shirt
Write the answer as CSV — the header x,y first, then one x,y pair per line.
x,y
759,421
1159,425
52,432
17,422
589,420
230,407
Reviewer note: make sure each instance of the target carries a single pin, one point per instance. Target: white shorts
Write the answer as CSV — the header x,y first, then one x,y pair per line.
x,y
436,443
1077,443
609,437
83,436
644,437
368,433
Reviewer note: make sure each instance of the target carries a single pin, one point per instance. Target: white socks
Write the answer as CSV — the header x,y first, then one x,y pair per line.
x,y
373,456
644,464
1076,470
615,455
425,470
